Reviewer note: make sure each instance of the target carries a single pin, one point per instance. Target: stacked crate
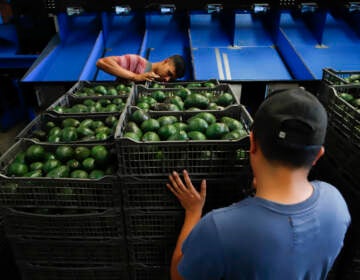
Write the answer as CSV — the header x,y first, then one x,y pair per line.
x,y
340,95
63,227
153,216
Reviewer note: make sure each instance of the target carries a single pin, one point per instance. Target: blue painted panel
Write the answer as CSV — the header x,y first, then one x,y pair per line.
x,y
245,63
340,48
7,48
336,57
296,30
295,62
89,71
8,33
125,34
338,32
249,31
208,30
256,63
66,61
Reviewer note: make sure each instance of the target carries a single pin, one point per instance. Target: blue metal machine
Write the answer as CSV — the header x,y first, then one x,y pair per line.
x,y
229,40
234,41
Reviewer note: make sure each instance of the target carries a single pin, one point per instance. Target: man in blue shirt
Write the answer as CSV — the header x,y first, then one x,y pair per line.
x,y
291,229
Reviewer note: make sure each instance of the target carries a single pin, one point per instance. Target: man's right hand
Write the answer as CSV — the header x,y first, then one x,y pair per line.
x,y
148,76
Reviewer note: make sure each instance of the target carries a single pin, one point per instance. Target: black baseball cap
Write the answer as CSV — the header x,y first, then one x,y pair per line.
x,y
292,118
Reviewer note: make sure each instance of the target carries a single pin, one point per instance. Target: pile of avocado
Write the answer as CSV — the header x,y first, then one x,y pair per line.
x,y
351,99
353,79
201,126
206,84
73,129
183,99
83,162
103,90
102,105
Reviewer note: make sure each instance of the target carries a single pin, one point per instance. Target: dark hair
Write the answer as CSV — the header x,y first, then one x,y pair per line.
x,y
288,155
179,64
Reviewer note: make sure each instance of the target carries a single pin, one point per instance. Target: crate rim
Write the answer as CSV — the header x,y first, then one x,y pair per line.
x,y
118,133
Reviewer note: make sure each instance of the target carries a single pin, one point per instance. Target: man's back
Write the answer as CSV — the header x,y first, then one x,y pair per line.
x,y
259,239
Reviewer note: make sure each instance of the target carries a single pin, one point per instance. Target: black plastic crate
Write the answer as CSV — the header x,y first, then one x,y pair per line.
x,y
55,193
153,193
37,272
39,123
331,170
153,223
343,115
67,101
188,84
80,86
151,251
69,253
102,225
333,77
216,91
344,152
142,271
208,157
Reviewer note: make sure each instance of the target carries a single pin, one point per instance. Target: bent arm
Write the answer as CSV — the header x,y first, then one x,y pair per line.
x,y
109,65
191,219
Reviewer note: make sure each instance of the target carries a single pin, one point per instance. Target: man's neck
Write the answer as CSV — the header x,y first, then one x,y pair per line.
x,y
283,185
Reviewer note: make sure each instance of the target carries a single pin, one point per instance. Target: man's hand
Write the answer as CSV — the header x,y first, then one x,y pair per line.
x,y
189,197
148,76
193,203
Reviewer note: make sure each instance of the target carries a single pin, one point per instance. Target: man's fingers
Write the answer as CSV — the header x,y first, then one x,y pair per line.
x,y
170,187
203,189
174,184
179,182
188,181
154,75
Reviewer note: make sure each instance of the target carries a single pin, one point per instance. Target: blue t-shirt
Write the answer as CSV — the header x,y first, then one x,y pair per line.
x,y
259,239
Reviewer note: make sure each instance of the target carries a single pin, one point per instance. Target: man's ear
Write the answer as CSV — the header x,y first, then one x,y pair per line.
x,y
253,146
319,155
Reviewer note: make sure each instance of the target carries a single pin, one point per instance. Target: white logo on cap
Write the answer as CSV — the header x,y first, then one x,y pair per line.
x,y
282,134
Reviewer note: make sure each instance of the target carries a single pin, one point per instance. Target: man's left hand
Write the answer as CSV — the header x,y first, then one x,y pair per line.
x,y
192,200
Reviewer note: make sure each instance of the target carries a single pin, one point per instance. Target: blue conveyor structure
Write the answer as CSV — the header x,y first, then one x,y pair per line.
x,y
241,50
339,47
64,59
233,45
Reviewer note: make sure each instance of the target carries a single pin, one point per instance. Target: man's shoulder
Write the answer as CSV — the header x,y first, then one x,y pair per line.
x,y
235,208
326,189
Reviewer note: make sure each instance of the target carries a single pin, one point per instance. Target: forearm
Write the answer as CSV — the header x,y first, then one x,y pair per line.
x,y
191,219
109,65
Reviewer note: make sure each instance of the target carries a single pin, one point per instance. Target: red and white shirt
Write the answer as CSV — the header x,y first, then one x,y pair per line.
x,y
134,63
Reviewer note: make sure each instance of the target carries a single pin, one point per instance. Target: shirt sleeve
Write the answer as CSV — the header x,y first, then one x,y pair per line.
x,y
202,252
